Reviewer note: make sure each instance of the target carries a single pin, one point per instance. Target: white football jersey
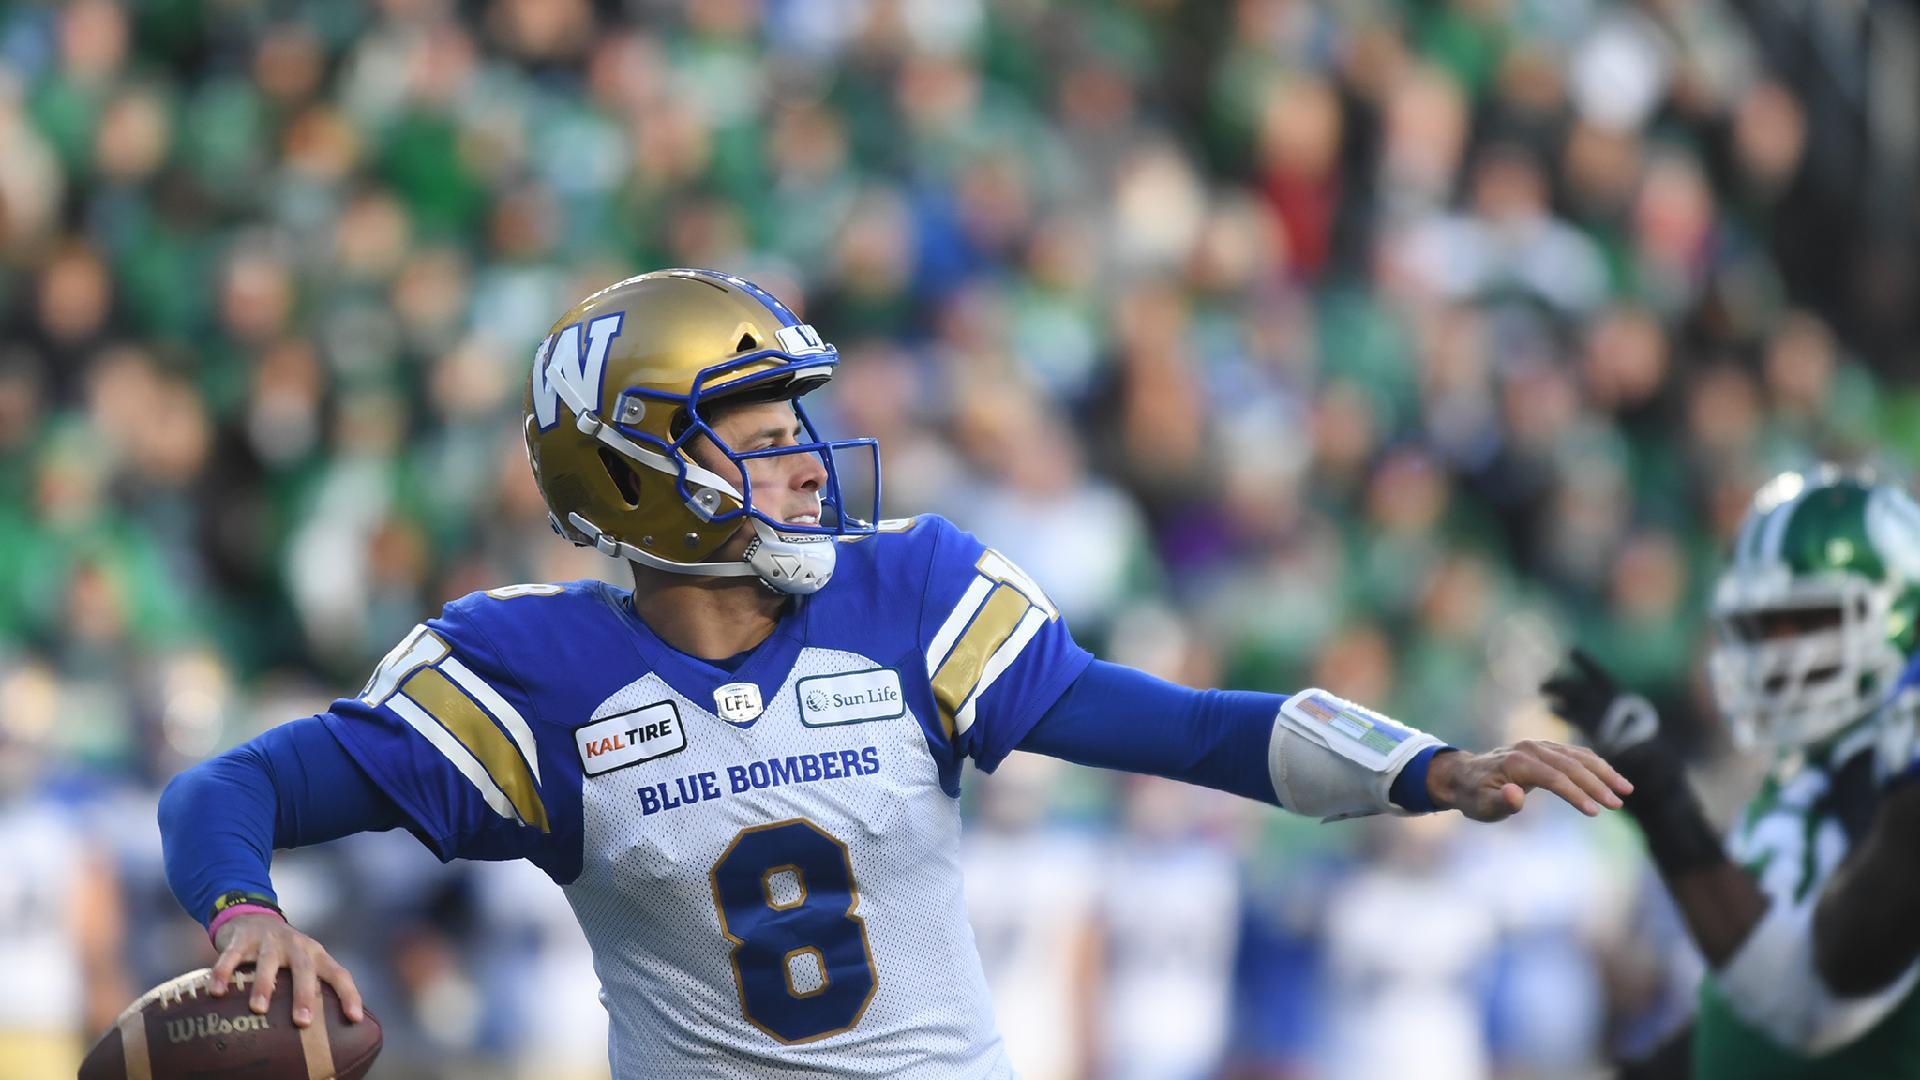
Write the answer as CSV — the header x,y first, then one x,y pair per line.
x,y
764,857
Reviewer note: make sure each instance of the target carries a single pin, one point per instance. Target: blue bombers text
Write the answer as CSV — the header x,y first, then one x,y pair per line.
x,y
773,772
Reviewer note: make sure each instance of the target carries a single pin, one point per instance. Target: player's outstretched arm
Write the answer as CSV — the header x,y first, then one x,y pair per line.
x,y
1253,745
219,824
1720,902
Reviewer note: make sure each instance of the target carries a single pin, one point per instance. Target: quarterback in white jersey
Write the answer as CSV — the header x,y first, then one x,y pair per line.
x,y
744,771
762,858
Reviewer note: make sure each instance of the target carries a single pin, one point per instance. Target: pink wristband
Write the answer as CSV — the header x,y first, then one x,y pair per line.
x,y
236,910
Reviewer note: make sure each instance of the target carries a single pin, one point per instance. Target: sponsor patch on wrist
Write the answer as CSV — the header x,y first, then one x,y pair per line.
x,y
1355,732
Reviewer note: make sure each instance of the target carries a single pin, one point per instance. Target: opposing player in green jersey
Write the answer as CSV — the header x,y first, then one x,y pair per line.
x,y
1809,917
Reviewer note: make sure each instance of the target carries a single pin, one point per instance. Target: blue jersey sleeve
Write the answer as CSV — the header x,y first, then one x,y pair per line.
x,y
445,729
998,654
290,786
1114,717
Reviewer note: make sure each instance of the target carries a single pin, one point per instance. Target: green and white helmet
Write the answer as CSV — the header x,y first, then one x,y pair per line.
x,y
1816,617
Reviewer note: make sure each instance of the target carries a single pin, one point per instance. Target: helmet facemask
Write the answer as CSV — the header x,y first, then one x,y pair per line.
x,y
1805,663
789,556
1815,620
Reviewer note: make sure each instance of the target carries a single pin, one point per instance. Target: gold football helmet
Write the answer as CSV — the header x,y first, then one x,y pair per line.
x,y
624,382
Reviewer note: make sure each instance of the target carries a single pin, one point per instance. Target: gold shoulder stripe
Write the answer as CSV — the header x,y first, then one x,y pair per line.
x,y
468,723
955,681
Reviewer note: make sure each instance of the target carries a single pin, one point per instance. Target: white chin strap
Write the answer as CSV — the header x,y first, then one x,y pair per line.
x,y
792,563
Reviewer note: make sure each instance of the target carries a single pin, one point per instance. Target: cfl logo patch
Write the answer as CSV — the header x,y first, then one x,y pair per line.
x,y
737,702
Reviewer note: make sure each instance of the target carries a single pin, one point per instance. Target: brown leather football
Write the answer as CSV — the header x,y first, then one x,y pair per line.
x,y
178,1031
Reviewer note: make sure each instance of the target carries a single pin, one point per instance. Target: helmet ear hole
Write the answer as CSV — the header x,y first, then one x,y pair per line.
x,y
620,471
747,342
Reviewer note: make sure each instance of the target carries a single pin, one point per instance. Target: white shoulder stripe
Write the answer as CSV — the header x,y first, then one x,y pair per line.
x,y
481,691
420,647
451,749
996,566
962,614
998,663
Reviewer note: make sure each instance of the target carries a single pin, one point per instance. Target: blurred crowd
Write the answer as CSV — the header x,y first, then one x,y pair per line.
x,y
1387,346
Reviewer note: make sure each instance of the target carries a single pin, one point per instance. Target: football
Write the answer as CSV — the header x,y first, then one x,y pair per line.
x,y
179,1031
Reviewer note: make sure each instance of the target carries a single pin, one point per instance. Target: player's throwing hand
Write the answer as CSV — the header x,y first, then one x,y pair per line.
x,y
269,943
1494,785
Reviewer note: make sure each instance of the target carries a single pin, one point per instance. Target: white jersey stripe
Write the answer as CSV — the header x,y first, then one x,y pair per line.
x,y
998,663
429,728
963,613
420,647
489,699
996,566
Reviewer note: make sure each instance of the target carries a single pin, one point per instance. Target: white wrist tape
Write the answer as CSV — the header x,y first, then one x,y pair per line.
x,y
1773,984
1332,759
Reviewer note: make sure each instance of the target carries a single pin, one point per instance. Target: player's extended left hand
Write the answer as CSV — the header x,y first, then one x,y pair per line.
x,y
1494,785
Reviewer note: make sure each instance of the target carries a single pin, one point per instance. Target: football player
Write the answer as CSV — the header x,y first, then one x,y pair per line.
x,y
1805,918
744,771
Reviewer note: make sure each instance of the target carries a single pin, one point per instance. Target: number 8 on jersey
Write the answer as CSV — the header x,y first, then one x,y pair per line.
x,y
800,957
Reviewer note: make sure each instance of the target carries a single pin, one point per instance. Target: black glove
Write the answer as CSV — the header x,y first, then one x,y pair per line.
x,y
1613,722
1625,728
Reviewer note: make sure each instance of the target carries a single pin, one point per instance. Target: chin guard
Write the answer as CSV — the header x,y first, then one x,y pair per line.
x,y
791,563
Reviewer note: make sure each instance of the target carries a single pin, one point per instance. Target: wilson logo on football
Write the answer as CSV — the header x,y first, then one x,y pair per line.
x,y
201,1027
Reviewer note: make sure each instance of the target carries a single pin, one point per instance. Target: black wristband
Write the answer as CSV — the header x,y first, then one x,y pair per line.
x,y
240,896
1678,835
